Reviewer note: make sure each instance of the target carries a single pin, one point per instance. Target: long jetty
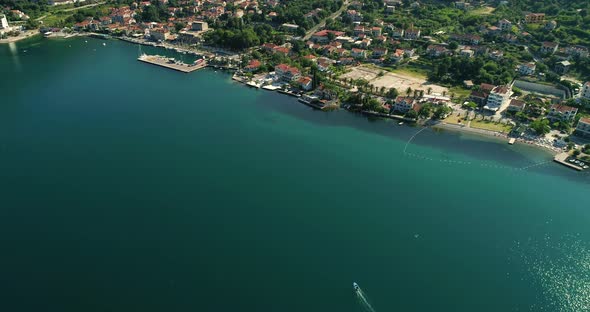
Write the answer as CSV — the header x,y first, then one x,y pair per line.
x,y
171,63
562,159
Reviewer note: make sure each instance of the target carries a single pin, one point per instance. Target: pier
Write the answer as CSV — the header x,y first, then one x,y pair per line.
x,y
172,63
562,159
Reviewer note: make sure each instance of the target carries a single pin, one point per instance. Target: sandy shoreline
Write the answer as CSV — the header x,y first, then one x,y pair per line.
x,y
488,133
22,36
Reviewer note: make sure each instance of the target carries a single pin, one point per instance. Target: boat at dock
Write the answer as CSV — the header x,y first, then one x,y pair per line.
x,y
511,141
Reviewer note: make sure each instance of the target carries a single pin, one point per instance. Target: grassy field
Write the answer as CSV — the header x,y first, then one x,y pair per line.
x,y
454,119
411,71
482,11
460,92
489,125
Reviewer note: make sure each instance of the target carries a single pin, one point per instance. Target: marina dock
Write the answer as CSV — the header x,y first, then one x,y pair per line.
x,y
562,159
172,63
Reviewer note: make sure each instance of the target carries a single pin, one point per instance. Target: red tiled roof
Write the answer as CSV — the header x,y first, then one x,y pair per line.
x,y
563,108
254,64
517,103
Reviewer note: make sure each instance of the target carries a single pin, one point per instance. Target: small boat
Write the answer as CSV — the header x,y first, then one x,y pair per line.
x,y
401,123
104,44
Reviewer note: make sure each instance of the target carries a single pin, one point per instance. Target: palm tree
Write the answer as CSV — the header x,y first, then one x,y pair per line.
x,y
429,90
452,95
408,91
382,91
444,93
421,93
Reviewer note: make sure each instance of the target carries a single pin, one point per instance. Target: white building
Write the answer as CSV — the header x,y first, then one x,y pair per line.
x,y
583,127
527,69
498,97
403,104
562,112
4,23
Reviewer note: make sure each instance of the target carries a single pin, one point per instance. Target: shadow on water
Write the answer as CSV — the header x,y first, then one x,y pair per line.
x,y
484,149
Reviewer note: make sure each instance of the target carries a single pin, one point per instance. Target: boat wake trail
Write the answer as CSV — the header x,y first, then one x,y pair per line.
x,y
364,301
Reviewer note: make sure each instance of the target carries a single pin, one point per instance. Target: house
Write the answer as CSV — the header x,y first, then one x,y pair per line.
x,y
551,25
585,93
358,53
397,32
516,105
467,38
462,5
577,51
498,97
365,43
583,127
549,47
105,20
505,25
379,52
160,34
403,104
467,53
269,47
397,56
281,50
496,55
479,97
527,69
199,26
19,14
287,73
358,30
305,83
376,31
324,63
534,18
562,67
323,35
412,33
311,57
290,27
494,30
312,14
389,9
346,61
354,15
562,112
437,50
252,66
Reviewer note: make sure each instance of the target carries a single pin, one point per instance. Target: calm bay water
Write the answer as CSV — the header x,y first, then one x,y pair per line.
x,y
128,187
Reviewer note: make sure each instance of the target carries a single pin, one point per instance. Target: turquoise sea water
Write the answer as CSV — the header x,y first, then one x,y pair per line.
x,y
128,187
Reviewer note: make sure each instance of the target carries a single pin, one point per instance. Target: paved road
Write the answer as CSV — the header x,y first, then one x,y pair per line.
x,y
321,24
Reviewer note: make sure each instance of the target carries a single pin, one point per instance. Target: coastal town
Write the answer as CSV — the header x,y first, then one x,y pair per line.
x,y
489,67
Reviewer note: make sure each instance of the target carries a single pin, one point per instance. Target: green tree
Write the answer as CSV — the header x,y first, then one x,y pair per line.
x,y
441,111
425,110
541,126
411,114
392,93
